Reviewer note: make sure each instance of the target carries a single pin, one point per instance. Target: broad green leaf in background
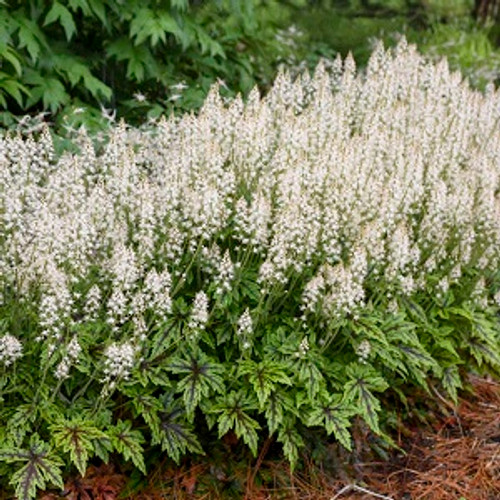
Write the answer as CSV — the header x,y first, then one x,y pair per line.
x,y
59,12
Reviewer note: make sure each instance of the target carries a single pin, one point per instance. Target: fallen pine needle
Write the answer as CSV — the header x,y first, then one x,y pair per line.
x,y
355,487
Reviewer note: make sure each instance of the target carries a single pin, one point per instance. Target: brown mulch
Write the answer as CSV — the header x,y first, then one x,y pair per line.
x,y
457,459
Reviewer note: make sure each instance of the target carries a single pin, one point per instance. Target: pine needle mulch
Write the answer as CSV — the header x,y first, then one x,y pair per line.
x,y
457,459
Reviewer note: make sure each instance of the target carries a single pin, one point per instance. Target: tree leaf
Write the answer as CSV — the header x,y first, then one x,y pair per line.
x,y
14,89
13,58
50,90
30,35
76,71
60,13
153,25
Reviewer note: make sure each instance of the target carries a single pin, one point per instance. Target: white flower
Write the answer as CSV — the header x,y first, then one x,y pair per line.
x,y
74,349
245,325
313,292
363,351
119,360
179,86
10,349
303,348
139,97
199,312
386,176
92,303
157,290
225,274
62,369
108,114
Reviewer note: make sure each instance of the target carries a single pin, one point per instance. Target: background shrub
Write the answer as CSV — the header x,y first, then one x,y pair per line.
x,y
137,58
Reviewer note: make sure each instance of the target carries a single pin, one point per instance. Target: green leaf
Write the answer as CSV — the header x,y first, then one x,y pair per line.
x,y
41,467
98,7
140,62
333,414
279,404
154,25
172,432
75,436
128,442
50,90
418,355
358,391
415,311
208,44
451,382
13,88
292,442
20,423
102,448
264,377
202,377
484,341
181,5
483,351
30,36
462,312
76,71
367,327
232,413
76,5
310,375
12,57
60,13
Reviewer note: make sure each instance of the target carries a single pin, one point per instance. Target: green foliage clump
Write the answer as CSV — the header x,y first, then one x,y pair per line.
x,y
467,47
300,263
441,28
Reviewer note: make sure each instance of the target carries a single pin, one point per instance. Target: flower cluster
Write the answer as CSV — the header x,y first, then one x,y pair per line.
x,y
119,360
340,181
73,351
199,313
10,349
245,329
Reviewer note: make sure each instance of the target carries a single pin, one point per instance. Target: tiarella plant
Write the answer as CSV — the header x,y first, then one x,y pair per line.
x,y
297,261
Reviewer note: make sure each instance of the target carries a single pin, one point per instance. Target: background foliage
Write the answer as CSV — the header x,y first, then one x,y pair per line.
x,y
90,61
72,57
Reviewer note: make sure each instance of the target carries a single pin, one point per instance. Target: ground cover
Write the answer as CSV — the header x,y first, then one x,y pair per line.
x,y
453,456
